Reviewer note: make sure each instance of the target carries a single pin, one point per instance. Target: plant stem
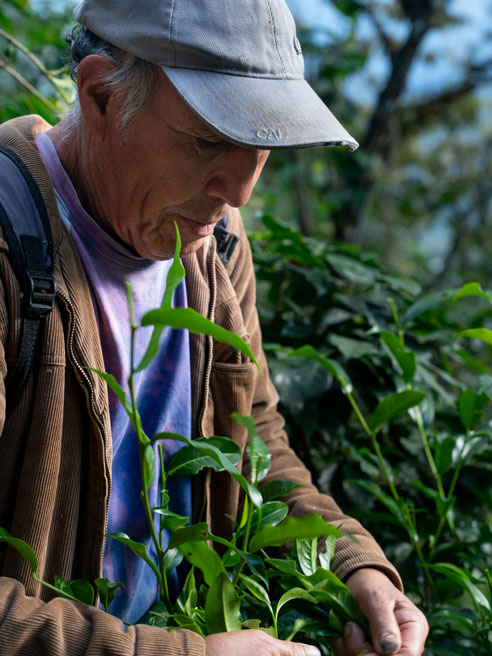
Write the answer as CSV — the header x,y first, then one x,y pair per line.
x,y
246,540
38,63
411,528
375,445
60,593
163,488
427,450
27,85
450,494
143,444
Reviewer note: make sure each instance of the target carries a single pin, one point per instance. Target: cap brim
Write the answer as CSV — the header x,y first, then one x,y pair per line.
x,y
260,112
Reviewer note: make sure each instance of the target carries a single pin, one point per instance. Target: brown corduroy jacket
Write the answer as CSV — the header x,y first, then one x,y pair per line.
x,y
55,446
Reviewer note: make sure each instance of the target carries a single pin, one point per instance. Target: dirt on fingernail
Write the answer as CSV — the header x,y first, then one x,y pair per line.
x,y
389,645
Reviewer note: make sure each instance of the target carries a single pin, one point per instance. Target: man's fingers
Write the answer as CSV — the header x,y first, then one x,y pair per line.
x,y
379,607
397,626
252,642
299,649
355,640
413,626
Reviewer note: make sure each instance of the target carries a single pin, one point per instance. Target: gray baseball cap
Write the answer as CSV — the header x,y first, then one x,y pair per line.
x,y
237,63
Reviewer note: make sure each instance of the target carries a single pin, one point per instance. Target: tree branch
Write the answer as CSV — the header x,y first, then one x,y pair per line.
x,y
414,116
27,85
401,62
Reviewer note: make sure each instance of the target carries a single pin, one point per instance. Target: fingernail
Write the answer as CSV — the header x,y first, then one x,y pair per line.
x,y
311,650
347,630
389,643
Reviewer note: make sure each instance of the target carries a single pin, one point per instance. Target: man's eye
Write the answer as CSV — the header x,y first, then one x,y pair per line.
x,y
209,144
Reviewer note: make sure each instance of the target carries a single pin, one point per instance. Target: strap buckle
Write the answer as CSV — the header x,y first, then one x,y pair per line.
x,y
40,295
226,241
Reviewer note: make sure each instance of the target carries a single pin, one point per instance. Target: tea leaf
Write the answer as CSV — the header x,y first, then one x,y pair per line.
x,y
352,348
252,624
405,359
171,521
443,454
192,321
474,446
174,277
426,303
148,462
118,391
472,361
189,460
188,596
290,595
392,406
284,565
196,533
176,272
332,366
260,458
256,564
472,289
470,406
484,334
273,512
22,547
259,455
462,578
326,557
222,607
78,589
206,559
336,596
138,549
277,489
257,590
172,559
207,447
385,499
184,622
443,504
305,555
107,591
309,526
247,422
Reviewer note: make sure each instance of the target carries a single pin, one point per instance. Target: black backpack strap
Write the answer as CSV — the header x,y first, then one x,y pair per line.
x,y
226,240
25,224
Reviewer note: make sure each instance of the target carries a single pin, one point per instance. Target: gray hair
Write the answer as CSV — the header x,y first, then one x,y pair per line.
x,y
132,80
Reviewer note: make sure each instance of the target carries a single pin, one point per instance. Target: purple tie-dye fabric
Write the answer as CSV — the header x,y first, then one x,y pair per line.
x,y
163,390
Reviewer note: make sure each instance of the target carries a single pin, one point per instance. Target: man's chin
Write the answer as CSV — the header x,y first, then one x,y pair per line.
x,y
187,247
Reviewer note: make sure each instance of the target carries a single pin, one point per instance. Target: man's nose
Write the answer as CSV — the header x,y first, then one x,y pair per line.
x,y
235,174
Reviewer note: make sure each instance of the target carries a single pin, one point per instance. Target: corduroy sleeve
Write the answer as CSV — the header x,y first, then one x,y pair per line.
x,y
59,627
360,550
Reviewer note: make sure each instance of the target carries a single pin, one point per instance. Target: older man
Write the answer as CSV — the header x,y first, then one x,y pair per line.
x,y
179,102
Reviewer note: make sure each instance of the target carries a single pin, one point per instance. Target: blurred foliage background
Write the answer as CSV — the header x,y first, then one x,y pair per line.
x,y
335,235
410,79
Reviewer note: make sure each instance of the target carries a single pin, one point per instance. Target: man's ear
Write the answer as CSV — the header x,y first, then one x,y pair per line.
x,y
94,94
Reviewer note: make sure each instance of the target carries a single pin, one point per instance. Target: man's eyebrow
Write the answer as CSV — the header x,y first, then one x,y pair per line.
x,y
199,130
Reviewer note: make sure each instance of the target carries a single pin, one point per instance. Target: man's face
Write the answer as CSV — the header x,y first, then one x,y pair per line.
x,y
172,168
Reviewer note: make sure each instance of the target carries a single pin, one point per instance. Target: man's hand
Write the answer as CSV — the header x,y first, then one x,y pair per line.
x,y
397,625
252,642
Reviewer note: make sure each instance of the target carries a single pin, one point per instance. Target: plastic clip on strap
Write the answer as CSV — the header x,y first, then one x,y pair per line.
x,y
39,289
39,284
226,240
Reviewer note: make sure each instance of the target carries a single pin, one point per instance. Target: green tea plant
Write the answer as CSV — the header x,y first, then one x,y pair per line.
x,y
247,586
422,479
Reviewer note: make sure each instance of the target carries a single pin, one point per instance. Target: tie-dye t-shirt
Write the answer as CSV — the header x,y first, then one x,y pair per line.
x,y
163,390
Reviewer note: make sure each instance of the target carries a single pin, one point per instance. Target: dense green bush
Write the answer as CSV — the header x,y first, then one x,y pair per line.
x,y
390,340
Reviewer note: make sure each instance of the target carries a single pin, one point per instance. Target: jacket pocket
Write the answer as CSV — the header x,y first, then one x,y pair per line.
x,y
231,390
